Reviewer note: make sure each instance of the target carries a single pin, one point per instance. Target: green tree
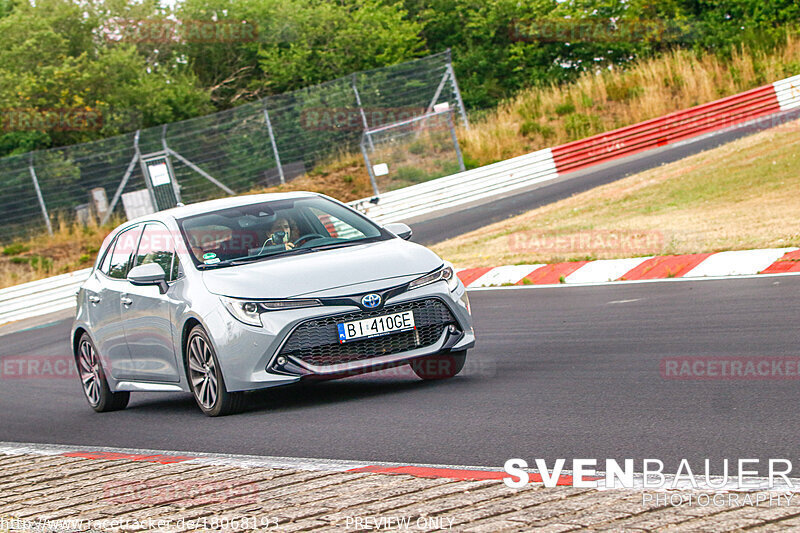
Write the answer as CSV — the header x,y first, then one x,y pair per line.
x,y
296,43
54,59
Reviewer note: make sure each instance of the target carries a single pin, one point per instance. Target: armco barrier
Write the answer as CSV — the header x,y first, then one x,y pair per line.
x,y
41,297
671,128
461,188
548,164
57,293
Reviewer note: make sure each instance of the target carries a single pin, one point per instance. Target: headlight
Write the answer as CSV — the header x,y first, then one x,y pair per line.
x,y
445,273
249,312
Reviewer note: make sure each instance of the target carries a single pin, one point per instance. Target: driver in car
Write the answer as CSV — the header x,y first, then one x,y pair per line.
x,y
281,233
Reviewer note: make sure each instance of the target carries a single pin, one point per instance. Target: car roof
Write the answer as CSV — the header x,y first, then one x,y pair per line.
x,y
221,203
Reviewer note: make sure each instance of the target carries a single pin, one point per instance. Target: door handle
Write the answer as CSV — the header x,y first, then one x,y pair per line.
x,y
94,299
125,300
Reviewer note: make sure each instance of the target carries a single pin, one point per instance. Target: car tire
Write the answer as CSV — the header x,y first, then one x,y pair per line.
x,y
93,379
205,377
439,366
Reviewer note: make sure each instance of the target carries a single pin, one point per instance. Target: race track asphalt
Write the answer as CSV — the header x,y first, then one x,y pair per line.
x,y
563,372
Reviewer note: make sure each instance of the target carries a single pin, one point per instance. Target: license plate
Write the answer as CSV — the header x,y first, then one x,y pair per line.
x,y
376,326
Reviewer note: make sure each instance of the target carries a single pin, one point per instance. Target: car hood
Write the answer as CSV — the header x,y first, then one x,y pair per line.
x,y
335,272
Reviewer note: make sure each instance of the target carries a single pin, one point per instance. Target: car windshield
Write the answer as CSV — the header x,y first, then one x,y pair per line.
x,y
268,229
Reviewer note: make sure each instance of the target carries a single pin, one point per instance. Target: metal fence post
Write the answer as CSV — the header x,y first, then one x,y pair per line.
x,y
438,90
363,115
173,177
143,167
456,91
274,145
455,142
39,196
125,179
369,166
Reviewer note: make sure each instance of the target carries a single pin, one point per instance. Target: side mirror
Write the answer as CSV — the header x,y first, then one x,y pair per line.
x,y
149,274
399,229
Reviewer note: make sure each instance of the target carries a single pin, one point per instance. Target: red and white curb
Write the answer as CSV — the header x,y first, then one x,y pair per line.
x,y
452,472
690,266
458,473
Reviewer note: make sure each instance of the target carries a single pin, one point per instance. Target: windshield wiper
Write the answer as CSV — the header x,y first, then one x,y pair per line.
x,y
240,260
336,245
282,253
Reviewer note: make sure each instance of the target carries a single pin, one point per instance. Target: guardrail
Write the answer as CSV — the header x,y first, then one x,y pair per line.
x,y
41,297
678,126
462,188
58,293
551,163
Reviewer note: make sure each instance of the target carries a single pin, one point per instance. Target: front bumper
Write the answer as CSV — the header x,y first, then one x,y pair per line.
x,y
249,355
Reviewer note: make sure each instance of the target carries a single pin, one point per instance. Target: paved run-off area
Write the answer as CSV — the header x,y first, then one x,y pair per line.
x,y
75,493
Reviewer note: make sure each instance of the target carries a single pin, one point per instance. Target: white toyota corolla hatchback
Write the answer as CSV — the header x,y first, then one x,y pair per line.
x,y
239,294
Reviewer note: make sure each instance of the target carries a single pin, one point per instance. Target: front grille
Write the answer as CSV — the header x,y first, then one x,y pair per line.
x,y
316,342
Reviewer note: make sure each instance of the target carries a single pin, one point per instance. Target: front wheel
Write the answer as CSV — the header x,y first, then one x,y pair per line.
x,y
93,379
439,366
205,377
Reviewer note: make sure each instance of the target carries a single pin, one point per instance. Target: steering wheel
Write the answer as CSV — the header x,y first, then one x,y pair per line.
x,y
307,237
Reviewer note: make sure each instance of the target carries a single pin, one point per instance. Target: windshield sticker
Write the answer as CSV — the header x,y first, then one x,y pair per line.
x,y
212,261
209,255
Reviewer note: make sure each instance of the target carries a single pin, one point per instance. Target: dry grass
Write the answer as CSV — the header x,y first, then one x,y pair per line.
x,y
743,195
71,247
344,178
542,117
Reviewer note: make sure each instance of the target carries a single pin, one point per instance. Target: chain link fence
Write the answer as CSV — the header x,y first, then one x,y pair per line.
x,y
412,151
258,144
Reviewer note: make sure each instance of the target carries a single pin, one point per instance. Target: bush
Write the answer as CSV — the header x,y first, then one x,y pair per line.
x,y
41,262
579,126
565,109
15,249
411,174
530,127
470,162
417,147
618,92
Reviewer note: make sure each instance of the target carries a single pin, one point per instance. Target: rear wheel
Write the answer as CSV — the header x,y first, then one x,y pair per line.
x,y
439,366
93,379
205,377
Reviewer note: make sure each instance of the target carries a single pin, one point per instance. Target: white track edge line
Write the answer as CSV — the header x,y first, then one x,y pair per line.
x,y
634,281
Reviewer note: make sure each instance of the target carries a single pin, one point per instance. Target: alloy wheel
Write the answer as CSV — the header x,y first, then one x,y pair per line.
x,y
89,369
202,372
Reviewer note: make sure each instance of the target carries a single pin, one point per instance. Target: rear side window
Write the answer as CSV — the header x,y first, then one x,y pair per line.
x,y
120,258
157,246
107,259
